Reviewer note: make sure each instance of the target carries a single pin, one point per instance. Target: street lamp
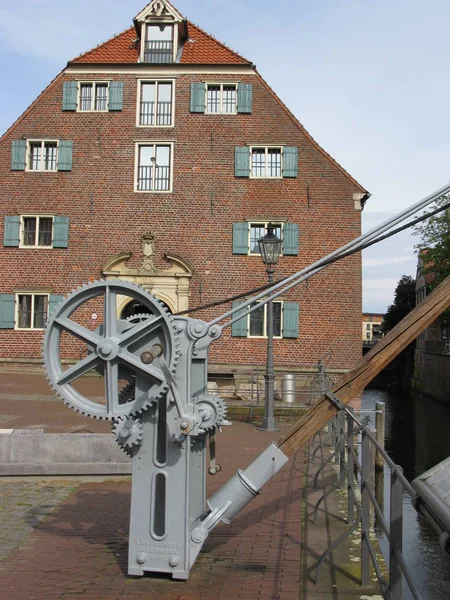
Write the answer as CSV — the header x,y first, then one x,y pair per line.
x,y
270,249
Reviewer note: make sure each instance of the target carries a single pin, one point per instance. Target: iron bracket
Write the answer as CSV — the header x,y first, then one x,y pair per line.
x,y
338,405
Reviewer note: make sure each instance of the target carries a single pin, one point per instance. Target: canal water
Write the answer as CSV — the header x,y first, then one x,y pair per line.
x,y
417,438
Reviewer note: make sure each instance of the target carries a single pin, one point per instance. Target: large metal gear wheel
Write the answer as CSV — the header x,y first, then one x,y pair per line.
x,y
114,349
212,410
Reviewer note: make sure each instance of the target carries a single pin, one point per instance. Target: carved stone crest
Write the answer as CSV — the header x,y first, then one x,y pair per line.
x,y
148,251
158,8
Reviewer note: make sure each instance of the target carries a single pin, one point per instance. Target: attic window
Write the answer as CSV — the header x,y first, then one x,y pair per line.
x,y
159,44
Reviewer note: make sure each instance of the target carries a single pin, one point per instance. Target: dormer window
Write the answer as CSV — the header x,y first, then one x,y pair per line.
x,y
159,44
162,31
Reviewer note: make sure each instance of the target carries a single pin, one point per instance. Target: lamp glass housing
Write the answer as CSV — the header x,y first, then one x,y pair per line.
x,y
270,247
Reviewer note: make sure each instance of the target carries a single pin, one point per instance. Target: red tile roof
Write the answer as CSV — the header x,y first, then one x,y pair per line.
x,y
203,48
200,48
121,48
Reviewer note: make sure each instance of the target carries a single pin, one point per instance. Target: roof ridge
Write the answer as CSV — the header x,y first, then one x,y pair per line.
x,y
310,137
213,37
101,44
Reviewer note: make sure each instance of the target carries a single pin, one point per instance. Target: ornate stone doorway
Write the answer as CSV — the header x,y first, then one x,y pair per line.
x,y
170,286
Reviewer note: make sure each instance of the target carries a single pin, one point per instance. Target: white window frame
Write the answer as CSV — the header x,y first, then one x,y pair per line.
x,y
266,148
262,224
136,166
94,85
138,108
264,336
16,310
22,230
221,84
175,34
28,155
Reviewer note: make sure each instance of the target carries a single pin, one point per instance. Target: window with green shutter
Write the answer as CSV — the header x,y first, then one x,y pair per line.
x,y
290,162
290,239
60,232
240,327
290,319
240,238
18,155
242,161
254,324
11,236
70,91
198,97
65,150
115,96
54,300
245,98
266,162
7,311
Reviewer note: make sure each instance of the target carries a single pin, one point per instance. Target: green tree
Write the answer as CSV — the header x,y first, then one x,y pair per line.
x,y
402,366
404,302
435,243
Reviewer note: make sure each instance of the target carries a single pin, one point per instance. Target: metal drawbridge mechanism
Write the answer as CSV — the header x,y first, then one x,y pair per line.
x,y
155,371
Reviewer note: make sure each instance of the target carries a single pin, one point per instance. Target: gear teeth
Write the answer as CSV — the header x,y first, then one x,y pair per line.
x,y
130,443
53,369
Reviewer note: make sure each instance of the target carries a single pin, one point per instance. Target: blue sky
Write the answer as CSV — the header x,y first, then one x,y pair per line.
x,y
367,78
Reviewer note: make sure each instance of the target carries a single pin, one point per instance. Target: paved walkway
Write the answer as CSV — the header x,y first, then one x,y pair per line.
x,y
65,539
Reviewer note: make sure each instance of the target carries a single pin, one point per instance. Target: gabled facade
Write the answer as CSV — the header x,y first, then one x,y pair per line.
x,y
159,157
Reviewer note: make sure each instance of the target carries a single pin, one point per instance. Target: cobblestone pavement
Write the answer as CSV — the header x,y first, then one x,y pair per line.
x,y
25,504
80,549
67,539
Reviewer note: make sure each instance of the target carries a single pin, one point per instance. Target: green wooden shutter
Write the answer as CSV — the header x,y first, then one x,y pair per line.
x,y
290,162
12,231
65,150
242,161
240,238
115,95
18,153
6,311
290,239
245,97
198,91
290,319
70,91
53,302
239,328
60,232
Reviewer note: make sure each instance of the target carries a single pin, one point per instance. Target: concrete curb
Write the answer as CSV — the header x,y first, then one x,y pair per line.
x,y
33,452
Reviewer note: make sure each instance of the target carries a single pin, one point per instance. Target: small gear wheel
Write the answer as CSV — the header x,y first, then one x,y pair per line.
x,y
212,411
129,433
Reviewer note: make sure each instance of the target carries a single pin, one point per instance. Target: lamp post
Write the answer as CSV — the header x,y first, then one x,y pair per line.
x,y
270,249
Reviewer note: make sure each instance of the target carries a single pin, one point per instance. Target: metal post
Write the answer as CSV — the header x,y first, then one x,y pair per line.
x,y
268,422
336,439
380,423
350,474
342,463
396,539
365,510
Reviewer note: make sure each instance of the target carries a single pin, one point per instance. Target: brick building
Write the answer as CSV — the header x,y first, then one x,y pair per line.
x,y
159,157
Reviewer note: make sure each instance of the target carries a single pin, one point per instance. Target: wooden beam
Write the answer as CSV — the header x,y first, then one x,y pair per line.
x,y
353,383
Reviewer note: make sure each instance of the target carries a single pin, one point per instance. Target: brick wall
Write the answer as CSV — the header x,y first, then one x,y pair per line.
x,y
108,217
